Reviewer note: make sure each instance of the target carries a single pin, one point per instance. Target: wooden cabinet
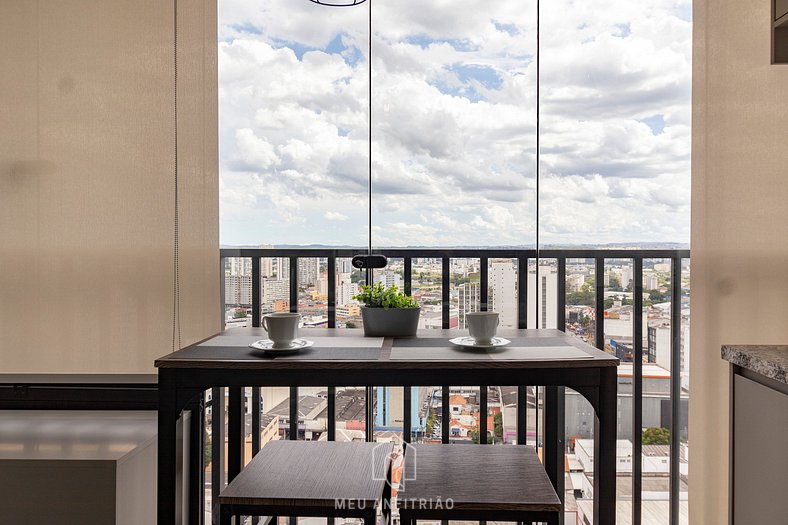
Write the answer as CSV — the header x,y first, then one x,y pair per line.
x,y
760,450
780,8
780,32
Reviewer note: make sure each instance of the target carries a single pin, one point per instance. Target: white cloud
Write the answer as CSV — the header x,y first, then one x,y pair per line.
x,y
454,129
335,216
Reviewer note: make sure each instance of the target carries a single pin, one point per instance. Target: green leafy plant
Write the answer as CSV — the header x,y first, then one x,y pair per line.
x,y
377,296
656,436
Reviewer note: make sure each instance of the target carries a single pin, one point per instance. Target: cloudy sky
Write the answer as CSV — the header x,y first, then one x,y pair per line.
x,y
454,122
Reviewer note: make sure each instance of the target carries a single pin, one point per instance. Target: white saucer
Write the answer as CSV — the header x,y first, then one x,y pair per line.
x,y
470,342
266,345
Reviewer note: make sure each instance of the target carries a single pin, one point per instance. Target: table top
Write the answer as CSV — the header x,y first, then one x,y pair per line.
x,y
314,474
349,349
477,477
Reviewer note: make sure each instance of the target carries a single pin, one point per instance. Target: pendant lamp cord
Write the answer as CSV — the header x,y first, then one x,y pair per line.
x,y
537,288
369,215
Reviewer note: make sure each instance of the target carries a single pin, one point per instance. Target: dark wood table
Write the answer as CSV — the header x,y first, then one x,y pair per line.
x,y
342,357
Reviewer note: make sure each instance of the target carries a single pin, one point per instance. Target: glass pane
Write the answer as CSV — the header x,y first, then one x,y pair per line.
x,y
454,136
615,130
293,123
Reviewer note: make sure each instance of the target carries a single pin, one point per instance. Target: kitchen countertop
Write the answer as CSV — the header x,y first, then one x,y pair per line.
x,y
768,360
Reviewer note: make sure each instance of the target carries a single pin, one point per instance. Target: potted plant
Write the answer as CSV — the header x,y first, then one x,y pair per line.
x,y
387,311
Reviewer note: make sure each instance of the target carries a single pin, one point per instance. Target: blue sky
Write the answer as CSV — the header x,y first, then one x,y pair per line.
x,y
454,123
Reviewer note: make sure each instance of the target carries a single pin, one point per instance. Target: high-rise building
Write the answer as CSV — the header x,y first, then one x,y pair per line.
x,y
388,278
308,269
543,313
345,292
344,266
281,268
273,290
238,290
240,265
503,291
575,282
650,282
267,267
626,276
322,286
468,297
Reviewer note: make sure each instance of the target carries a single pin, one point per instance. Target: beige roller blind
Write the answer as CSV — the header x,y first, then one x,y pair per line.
x,y
87,188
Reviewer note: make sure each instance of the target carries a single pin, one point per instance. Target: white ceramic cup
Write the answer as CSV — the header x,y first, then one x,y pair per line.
x,y
282,328
482,326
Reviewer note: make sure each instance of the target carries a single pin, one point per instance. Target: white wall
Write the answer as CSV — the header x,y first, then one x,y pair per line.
x,y
87,184
739,222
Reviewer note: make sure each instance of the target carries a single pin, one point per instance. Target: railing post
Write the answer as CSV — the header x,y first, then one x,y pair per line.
x,y
217,447
332,291
256,408
445,414
370,414
293,430
406,413
522,293
256,302
675,389
599,321
483,415
408,275
331,416
637,392
484,283
445,297
293,284
522,415
222,287
235,432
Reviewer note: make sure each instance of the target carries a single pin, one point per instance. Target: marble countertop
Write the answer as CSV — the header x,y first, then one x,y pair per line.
x,y
768,360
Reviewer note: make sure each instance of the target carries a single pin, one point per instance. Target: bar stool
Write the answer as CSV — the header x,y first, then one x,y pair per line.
x,y
476,482
305,478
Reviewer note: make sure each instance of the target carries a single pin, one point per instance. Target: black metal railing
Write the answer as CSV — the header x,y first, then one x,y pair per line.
x,y
553,397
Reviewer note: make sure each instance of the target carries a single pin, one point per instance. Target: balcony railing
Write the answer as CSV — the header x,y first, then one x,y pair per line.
x,y
672,260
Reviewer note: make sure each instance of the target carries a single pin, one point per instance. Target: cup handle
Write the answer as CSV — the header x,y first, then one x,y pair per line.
x,y
265,323
497,322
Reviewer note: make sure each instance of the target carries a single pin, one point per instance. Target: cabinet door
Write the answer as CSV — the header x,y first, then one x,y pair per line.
x,y
760,461
780,8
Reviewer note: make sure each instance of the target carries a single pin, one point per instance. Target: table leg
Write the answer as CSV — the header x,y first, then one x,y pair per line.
x,y
554,439
605,450
235,433
196,468
167,451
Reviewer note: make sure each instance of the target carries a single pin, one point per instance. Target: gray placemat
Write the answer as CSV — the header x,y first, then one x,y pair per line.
x,y
315,353
327,342
539,353
439,353
502,353
434,342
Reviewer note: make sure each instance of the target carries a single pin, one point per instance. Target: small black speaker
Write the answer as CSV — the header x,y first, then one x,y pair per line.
x,y
369,261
